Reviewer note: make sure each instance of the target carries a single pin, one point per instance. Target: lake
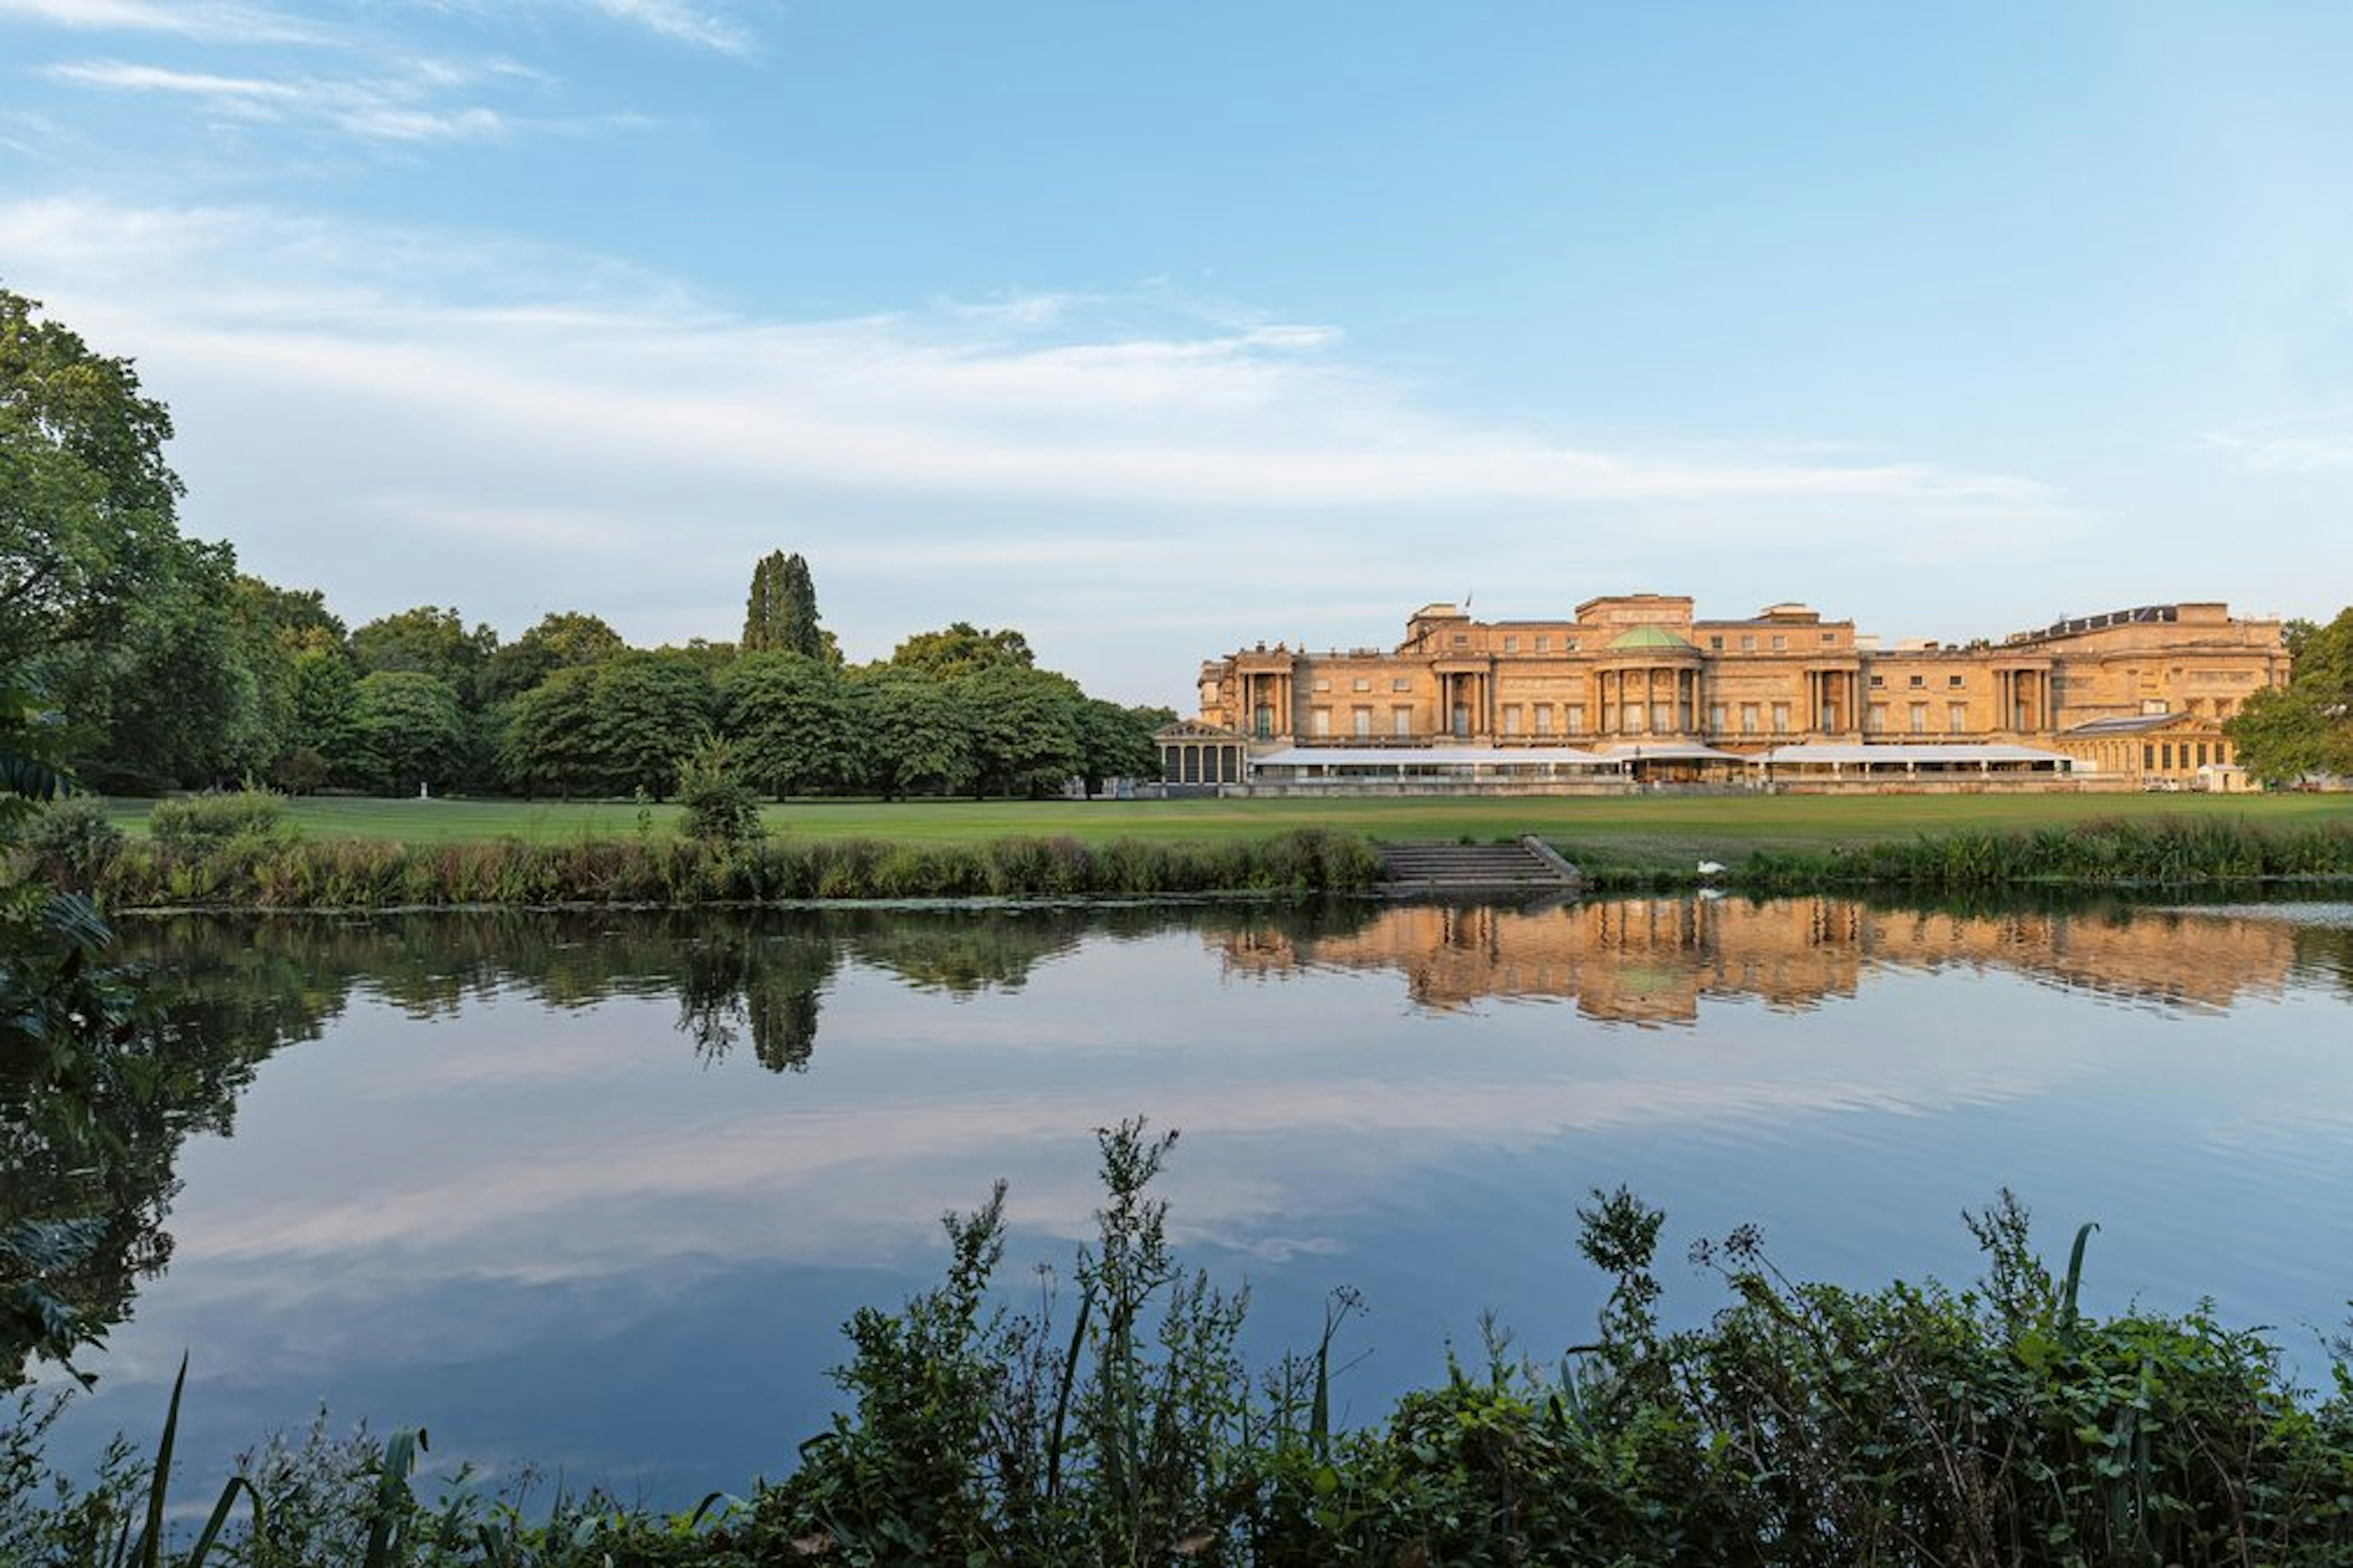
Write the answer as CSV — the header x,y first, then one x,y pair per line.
x,y
596,1190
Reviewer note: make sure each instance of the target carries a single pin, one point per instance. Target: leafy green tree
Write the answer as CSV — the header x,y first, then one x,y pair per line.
x,y
407,730
961,648
548,745
192,690
2307,726
652,709
912,734
790,723
780,613
563,639
298,617
88,505
325,685
1116,742
431,641
1025,729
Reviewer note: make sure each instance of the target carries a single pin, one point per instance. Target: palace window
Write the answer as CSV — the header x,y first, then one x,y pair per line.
x,y
1878,716
1715,718
1262,723
1543,643
1462,639
1748,717
1663,719
1544,718
1715,644
1361,721
1322,684
1957,717
1401,720
1401,683
1511,718
1748,642
1780,643
1919,718
1917,681
1511,644
1362,683
1955,680
1319,721
1829,639
1780,718
1879,680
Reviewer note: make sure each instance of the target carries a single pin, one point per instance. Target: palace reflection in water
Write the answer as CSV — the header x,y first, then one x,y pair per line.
x,y
1654,961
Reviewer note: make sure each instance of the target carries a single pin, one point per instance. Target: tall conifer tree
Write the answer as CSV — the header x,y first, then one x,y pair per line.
x,y
780,615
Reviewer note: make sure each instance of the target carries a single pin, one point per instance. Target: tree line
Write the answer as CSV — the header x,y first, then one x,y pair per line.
x,y
155,663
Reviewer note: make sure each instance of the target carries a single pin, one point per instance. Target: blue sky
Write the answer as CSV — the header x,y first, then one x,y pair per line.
x,y
1156,331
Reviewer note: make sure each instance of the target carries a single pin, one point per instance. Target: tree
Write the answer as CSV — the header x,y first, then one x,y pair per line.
x,y
547,745
790,723
912,734
407,730
563,639
87,505
1116,742
780,615
961,648
430,641
325,687
2284,732
1025,728
190,689
651,711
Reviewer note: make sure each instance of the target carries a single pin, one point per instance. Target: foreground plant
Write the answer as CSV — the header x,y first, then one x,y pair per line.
x,y
1806,1424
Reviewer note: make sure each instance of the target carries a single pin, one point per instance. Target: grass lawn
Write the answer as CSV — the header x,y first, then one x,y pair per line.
x,y
1628,830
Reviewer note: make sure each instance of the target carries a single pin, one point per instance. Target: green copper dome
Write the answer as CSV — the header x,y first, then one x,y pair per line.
x,y
1648,637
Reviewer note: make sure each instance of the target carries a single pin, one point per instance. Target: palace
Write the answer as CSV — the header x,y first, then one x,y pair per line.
x,y
1634,689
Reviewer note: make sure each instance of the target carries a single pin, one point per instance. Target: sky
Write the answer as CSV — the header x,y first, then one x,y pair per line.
x,y
1156,331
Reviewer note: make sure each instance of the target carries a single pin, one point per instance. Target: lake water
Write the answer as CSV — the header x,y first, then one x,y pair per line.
x,y
597,1191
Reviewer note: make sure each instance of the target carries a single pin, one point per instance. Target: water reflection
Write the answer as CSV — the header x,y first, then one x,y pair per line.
x,y
679,1148
1656,961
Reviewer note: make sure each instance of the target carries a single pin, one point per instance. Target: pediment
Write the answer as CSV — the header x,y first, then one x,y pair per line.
x,y
1196,730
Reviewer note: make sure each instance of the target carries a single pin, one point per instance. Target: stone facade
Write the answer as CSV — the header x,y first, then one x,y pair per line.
x,y
1642,669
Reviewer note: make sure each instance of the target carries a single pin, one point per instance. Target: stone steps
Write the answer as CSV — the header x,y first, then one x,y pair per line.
x,y
1417,869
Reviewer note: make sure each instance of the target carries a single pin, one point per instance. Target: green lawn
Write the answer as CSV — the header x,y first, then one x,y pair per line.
x,y
1662,829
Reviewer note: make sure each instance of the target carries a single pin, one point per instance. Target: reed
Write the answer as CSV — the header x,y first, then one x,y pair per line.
x,y
668,871
2101,853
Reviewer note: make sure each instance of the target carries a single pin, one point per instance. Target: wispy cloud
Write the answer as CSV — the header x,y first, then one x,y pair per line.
x,y
215,20
392,108
2312,446
684,23
615,442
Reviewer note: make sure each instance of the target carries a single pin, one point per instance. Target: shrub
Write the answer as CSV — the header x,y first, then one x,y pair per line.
x,y
720,807
204,822
71,842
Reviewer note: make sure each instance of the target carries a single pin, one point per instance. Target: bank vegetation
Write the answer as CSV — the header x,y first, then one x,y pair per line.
x,y
1113,1420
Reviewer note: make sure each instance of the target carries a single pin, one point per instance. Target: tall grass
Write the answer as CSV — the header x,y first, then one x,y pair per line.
x,y
370,874
2105,852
